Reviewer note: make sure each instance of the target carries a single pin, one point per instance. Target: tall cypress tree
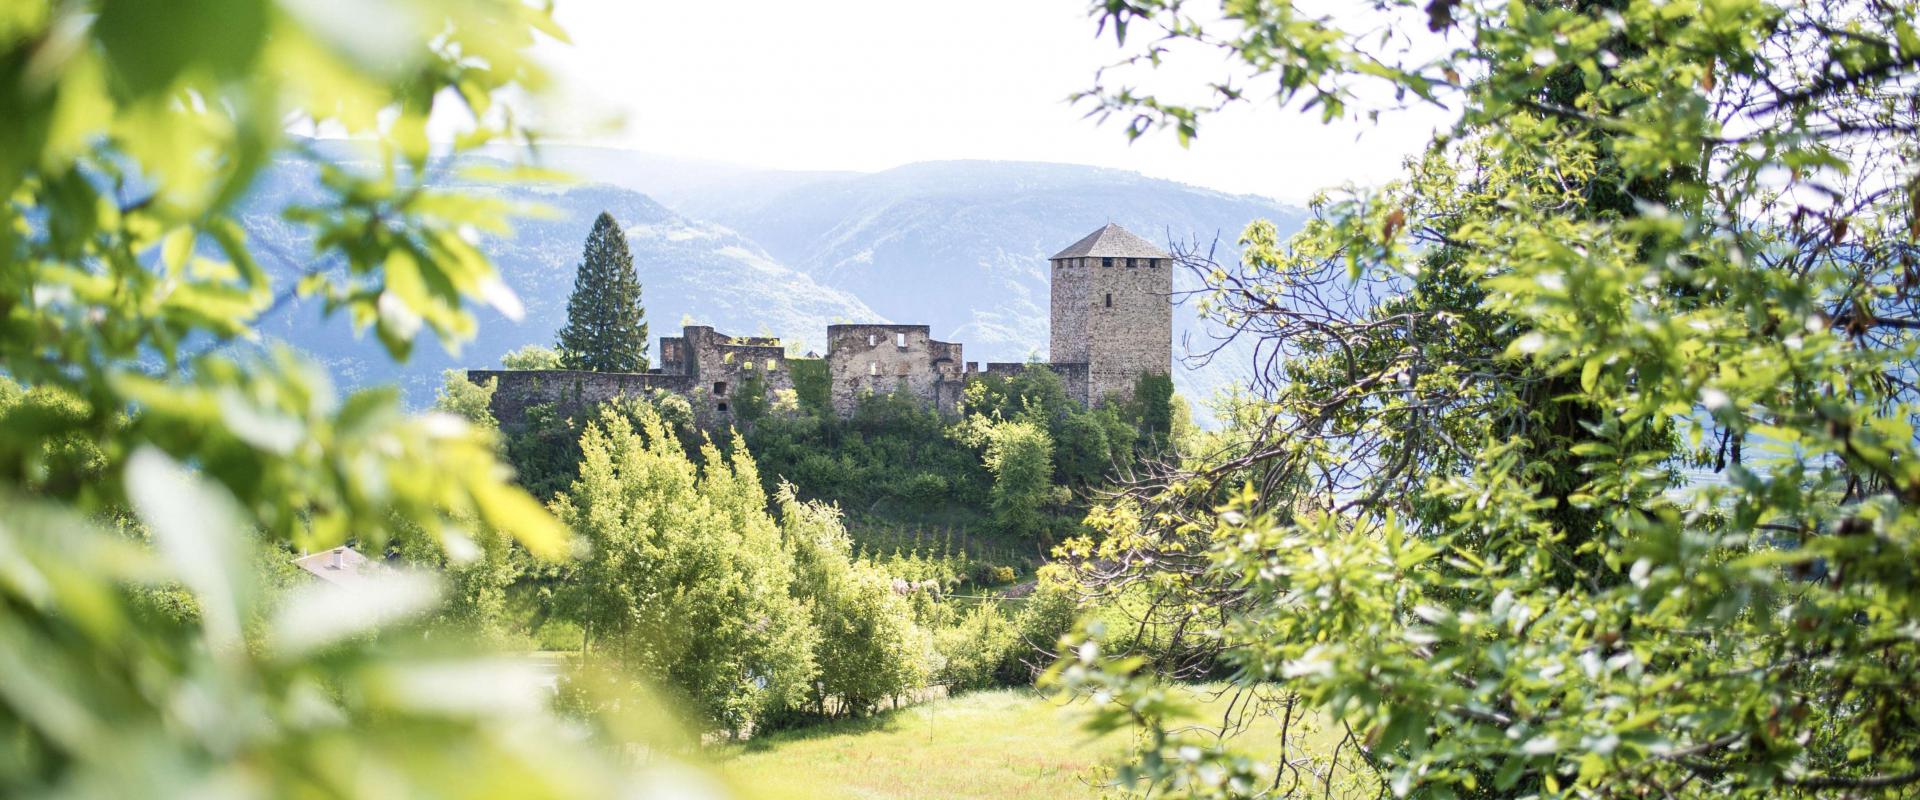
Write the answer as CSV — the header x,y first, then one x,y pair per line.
x,y
606,328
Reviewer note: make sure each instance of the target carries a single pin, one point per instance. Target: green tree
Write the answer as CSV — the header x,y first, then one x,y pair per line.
x,y
686,577
606,328
467,400
750,402
130,300
531,357
1019,454
869,647
1151,410
1468,521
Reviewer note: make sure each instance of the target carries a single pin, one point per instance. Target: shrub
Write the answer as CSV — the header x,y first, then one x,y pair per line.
x,y
992,574
982,651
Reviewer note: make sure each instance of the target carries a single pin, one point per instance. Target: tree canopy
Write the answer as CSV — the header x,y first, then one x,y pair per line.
x,y
157,454
1586,463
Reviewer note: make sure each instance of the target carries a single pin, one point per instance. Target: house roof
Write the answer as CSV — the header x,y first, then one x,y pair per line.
x,y
350,567
1112,241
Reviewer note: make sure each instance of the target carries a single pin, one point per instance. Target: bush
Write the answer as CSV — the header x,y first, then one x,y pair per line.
x,y
983,651
992,574
868,646
924,490
687,579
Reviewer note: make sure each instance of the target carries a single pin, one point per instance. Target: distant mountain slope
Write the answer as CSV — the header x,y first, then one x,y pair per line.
x,y
962,245
688,269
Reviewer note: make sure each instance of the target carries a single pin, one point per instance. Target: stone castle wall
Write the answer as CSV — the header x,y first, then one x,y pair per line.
x,y
1067,337
703,366
1112,321
1113,318
1129,325
570,391
878,359
1072,376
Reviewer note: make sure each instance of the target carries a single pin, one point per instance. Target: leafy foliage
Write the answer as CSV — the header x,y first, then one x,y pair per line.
x,y
1585,465
467,400
687,578
892,452
869,646
532,357
1020,456
157,660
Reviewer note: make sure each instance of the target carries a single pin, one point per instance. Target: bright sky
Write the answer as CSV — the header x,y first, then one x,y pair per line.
x,y
871,84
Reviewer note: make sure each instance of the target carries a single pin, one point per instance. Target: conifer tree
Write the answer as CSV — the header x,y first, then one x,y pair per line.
x,y
606,328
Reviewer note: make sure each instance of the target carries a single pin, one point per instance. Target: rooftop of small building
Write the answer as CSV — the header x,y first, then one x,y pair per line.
x,y
343,565
1112,241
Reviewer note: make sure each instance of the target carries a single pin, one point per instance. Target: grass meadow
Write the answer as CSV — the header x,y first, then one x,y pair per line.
x,y
997,745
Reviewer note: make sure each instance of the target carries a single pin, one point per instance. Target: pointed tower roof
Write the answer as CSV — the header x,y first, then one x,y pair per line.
x,y
1112,241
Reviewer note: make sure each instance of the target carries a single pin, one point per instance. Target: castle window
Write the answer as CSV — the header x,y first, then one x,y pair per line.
x,y
872,339
873,368
1132,262
719,388
1106,262
722,408
1109,300
899,340
770,365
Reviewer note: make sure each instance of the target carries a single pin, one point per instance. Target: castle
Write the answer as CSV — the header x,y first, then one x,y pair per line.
x,y
1112,322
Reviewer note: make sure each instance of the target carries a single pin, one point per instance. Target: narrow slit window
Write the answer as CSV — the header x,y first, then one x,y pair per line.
x,y
872,339
873,368
1109,300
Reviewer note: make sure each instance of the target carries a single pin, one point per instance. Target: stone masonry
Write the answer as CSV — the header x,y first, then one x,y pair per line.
x,y
1112,311
1112,322
877,359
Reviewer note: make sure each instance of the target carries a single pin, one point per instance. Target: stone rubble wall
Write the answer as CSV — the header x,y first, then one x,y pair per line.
x,y
878,359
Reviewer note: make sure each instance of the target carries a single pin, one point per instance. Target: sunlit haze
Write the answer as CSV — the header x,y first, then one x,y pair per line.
x,y
870,84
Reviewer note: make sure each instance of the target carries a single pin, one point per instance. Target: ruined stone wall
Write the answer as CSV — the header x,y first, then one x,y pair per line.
x,y
570,391
878,359
1112,321
1072,376
1129,325
703,366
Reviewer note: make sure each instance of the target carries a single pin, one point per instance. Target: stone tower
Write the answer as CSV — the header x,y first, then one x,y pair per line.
x,y
1112,311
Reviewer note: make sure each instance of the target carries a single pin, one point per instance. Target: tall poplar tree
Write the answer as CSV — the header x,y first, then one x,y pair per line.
x,y
606,328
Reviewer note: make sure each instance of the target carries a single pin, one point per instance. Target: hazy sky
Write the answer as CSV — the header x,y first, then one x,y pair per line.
x,y
871,84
